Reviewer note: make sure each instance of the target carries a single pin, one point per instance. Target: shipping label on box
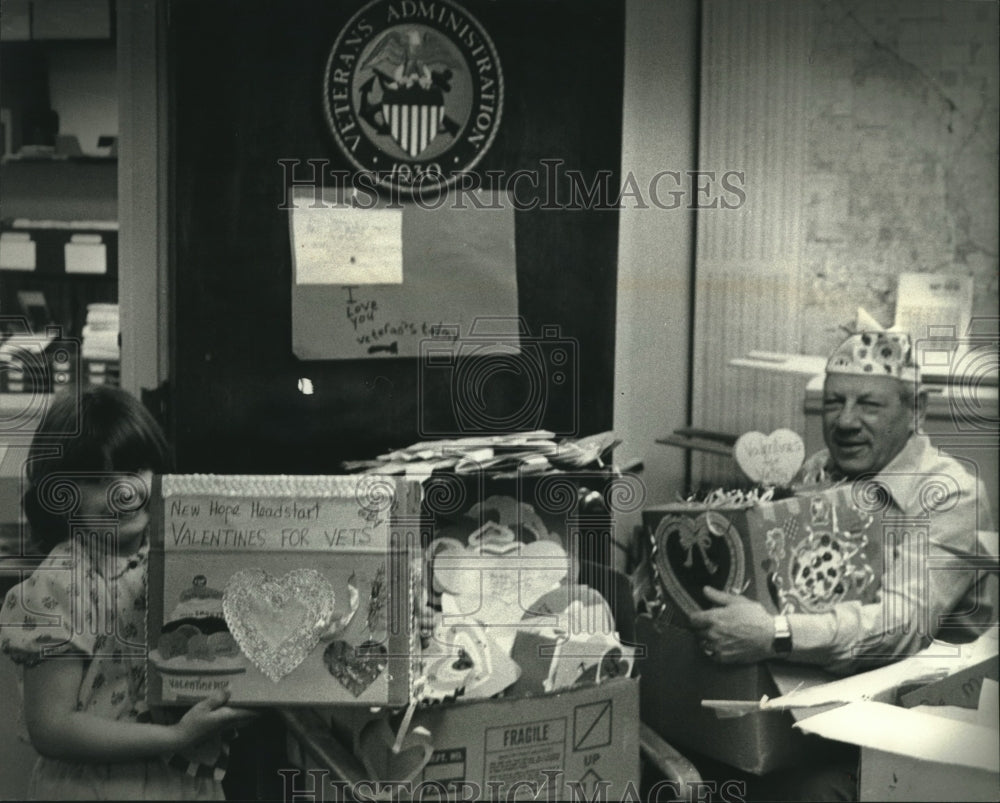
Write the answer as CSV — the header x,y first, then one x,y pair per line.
x,y
283,590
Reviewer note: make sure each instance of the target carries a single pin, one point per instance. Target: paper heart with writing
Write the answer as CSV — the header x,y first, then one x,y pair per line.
x,y
770,459
553,618
570,608
277,621
497,590
465,656
375,745
583,657
358,667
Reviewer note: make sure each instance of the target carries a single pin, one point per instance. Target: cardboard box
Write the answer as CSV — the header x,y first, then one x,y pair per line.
x,y
677,677
283,590
960,689
803,554
563,746
910,755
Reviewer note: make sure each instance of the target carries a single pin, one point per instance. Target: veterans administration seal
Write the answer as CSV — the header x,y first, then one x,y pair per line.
x,y
413,92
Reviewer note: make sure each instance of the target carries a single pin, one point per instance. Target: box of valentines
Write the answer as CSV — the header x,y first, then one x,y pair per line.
x,y
524,684
283,589
576,510
800,554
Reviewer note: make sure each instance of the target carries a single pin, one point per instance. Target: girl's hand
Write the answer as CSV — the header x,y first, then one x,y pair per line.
x,y
210,716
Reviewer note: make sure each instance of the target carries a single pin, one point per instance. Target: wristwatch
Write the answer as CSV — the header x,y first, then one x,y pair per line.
x,y
782,635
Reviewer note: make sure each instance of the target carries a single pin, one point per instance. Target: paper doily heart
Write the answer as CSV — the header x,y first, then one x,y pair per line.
x,y
375,745
277,621
356,668
770,459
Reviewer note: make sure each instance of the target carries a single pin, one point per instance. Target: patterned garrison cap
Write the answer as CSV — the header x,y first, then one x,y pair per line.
x,y
875,354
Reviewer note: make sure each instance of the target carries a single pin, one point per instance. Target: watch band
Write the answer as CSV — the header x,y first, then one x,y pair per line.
x,y
782,634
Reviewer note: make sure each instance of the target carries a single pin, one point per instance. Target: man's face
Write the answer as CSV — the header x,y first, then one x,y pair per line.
x,y
865,421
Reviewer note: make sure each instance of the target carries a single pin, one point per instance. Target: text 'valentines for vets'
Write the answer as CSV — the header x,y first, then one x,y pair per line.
x,y
281,589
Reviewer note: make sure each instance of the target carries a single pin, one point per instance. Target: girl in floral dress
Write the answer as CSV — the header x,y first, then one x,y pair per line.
x,y
76,627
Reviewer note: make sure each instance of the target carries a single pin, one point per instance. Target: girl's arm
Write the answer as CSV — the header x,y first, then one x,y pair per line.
x,y
58,730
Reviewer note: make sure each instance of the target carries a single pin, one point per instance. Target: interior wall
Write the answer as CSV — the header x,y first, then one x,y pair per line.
x,y
901,169
868,132
656,245
83,91
237,407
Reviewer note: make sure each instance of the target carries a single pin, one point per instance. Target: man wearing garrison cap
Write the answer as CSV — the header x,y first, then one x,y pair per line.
x,y
873,406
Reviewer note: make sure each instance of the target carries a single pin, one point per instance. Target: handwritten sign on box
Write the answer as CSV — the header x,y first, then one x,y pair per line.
x,y
281,590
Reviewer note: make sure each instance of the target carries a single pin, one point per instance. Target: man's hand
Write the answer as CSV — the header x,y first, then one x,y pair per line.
x,y
738,631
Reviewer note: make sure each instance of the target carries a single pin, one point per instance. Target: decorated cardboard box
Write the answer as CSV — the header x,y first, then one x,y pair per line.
x,y
801,554
578,744
575,509
283,589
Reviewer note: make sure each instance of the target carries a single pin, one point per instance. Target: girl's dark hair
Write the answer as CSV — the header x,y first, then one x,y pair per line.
x,y
114,432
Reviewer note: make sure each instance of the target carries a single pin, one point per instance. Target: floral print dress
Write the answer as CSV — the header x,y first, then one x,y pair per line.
x,y
83,606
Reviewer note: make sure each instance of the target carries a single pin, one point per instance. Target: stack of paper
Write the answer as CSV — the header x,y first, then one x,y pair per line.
x,y
534,452
100,333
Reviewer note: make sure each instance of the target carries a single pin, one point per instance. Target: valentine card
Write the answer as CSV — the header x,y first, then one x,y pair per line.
x,y
283,589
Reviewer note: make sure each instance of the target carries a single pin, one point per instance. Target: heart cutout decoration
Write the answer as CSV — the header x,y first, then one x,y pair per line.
x,y
696,550
277,621
770,459
358,667
497,590
375,745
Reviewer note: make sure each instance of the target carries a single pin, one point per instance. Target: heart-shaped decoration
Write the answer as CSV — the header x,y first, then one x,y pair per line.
x,y
356,668
375,745
580,657
770,459
466,657
497,590
569,609
694,550
277,621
